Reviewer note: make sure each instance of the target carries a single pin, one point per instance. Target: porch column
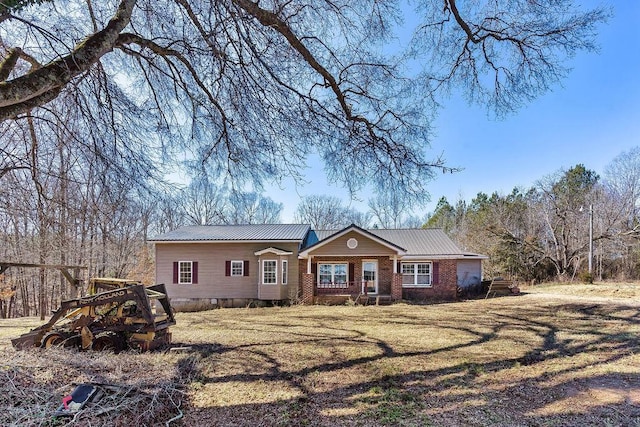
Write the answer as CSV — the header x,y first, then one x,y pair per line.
x,y
307,288
396,287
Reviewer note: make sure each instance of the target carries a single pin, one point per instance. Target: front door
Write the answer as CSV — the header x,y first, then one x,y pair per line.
x,y
370,276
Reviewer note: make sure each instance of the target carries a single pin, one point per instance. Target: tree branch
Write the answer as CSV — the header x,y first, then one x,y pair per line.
x,y
20,94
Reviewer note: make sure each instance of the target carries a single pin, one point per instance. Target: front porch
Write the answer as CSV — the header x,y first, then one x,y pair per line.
x,y
359,292
351,265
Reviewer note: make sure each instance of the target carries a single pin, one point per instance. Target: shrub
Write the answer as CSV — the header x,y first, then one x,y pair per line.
x,y
585,277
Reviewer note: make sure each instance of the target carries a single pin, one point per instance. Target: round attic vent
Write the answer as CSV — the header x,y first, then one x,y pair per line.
x,y
352,243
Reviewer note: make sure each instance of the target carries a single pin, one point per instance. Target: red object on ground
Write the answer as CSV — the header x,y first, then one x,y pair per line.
x,y
66,400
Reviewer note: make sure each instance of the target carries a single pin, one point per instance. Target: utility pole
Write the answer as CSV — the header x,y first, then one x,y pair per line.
x,y
590,239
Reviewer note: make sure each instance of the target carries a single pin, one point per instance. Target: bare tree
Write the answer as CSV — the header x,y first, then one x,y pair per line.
x,y
361,219
251,88
622,179
251,208
203,203
390,210
322,212
501,56
621,210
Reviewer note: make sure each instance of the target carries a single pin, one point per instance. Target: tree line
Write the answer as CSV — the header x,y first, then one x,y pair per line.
x,y
82,212
542,233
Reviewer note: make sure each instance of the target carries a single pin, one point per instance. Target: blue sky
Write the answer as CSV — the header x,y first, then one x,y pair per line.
x,y
593,117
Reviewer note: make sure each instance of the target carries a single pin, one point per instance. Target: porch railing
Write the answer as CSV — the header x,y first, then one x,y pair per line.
x,y
355,287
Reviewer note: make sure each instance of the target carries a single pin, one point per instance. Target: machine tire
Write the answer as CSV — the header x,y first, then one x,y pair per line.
x,y
52,339
108,341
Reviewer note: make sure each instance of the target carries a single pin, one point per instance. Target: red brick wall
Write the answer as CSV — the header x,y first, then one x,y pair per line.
x,y
307,288
385,272
444,287
396,287
443,290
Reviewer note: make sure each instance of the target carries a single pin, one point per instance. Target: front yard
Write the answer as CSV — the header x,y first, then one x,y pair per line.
x,y
555,356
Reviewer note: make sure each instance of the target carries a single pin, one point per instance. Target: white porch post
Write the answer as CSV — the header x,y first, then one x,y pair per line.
x,y
395,264
309,264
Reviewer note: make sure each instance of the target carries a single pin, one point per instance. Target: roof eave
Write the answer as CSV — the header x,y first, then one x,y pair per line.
x,y
444,256
227,241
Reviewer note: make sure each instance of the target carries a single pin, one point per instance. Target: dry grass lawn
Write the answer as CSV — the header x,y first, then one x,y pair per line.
x,y
559,355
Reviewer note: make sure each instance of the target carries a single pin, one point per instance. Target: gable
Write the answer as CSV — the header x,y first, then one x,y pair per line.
x,y
352,243
348,236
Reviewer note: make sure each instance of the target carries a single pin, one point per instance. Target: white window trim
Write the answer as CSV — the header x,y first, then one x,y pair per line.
x,y
333,273
285,271
415,275
180,282
241,268
275,271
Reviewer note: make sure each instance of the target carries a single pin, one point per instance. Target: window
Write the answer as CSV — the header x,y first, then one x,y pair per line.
x,y
269,272
416,274
185,269
332,276
237,268
185,272
285,266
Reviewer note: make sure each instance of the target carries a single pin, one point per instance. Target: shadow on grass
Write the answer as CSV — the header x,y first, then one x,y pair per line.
x,y
571,376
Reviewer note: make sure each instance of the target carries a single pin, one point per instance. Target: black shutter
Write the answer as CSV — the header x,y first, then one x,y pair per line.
x,y
227,268
436,273
246,268
175,272
352,273
194,272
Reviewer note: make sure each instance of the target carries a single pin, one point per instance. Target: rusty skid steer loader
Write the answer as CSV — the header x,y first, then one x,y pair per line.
x,y
116,315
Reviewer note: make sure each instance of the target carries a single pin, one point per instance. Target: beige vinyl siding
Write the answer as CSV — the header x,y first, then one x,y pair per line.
x,y
211,257
366,247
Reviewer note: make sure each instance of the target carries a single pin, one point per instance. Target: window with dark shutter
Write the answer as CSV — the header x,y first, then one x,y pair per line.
x,y
227,268
352,272
194,272
175,272
246,268
436,273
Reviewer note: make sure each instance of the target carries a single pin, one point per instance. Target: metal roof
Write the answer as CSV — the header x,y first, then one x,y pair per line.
x,y
224,233
422,241
419,241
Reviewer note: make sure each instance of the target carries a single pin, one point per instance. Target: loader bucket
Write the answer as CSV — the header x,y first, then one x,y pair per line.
x,y
28,340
